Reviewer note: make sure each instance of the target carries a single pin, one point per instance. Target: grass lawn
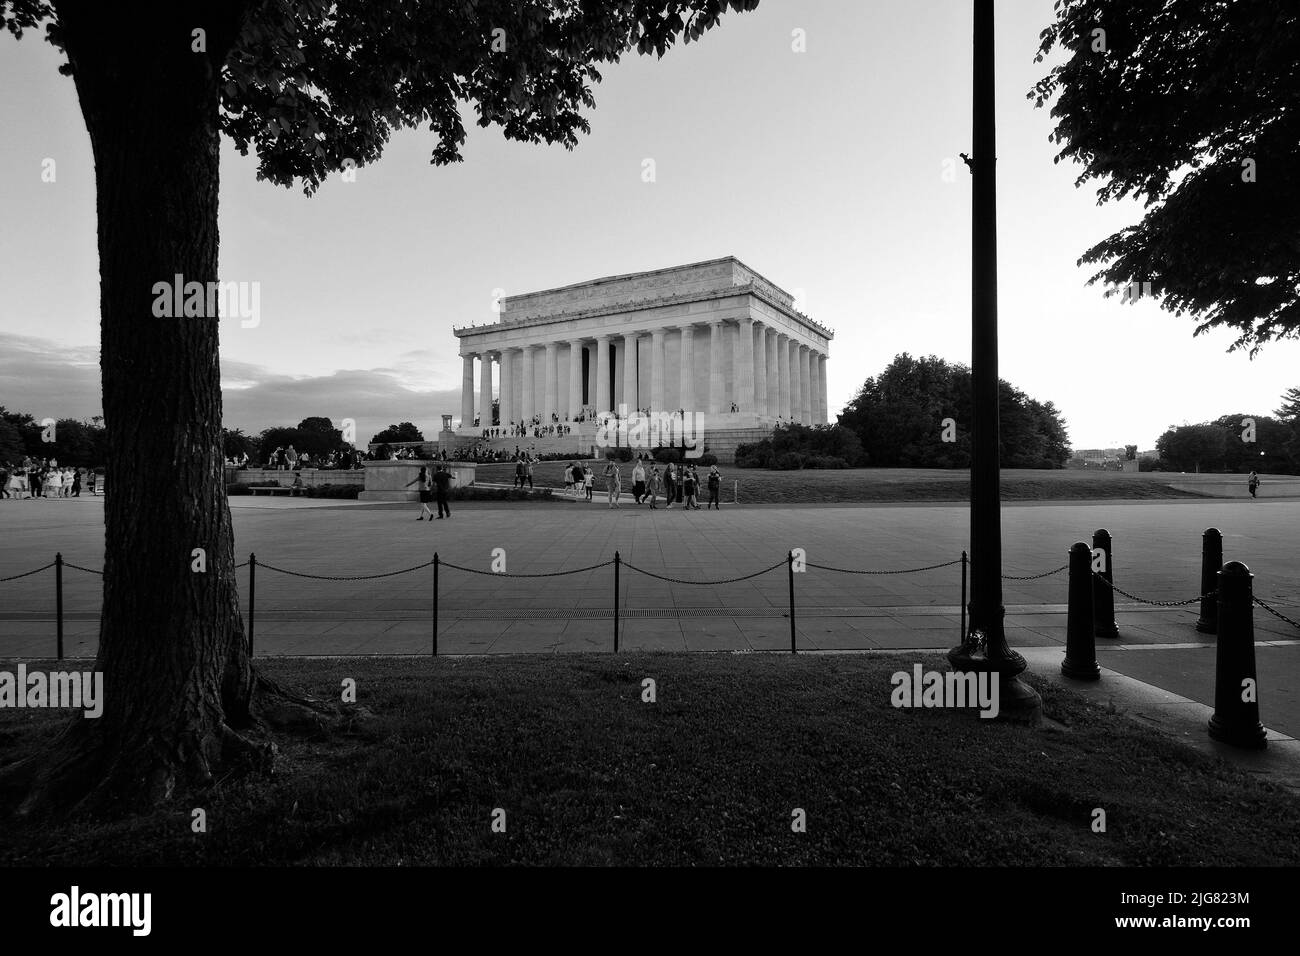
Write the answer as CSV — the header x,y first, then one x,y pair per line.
x,y
887,484
709,774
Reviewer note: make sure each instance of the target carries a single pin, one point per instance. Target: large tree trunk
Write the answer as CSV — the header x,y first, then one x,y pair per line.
x,y
178,680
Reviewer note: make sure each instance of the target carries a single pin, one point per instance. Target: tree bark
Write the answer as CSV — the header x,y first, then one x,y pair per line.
x,y
178,680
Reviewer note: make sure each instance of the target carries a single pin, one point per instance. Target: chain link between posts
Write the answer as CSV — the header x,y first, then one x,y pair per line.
x,y
651,574
504,574
671,580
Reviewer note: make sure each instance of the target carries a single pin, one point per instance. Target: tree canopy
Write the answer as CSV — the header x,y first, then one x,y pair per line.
x,y
900,416
1192,107
406,431
314,88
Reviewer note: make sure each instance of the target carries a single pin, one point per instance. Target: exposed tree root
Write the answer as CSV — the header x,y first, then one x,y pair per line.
x,y
90,771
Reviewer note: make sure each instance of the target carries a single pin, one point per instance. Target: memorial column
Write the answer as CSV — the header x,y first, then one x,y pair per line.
x,y
528,400
507,386
630,390
657,370
815,389
485,389
575,379
686,393
821,383
760,372
552,386
715,367
783,358
742,375
467,391
773,373
602,374
805,386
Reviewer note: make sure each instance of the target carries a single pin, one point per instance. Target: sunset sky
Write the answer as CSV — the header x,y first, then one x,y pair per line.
x,y
824,170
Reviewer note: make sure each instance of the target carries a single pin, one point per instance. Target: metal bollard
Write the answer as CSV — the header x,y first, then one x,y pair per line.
x,y
1211,561
789,563
1080,648
252,600
618,562
1103,598
1236,691
58,604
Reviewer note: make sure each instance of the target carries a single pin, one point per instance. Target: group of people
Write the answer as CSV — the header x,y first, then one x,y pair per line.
x,y
678,484
44,478
523,430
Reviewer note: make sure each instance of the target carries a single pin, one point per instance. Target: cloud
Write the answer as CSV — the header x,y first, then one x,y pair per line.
x,y
50,379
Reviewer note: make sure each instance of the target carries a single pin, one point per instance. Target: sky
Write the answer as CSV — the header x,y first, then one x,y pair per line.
x,y
831,170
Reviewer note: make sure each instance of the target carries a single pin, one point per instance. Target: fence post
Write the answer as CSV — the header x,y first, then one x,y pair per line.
x,y
735,491
1236,698
617,561
436,562
1211,561
1103,597
252,599
58,603
1080,650
964,560
789,562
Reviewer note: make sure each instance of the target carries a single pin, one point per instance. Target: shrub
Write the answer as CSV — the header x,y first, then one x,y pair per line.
x,y
350,491
474,493
705,460
825,461
789,461
665,455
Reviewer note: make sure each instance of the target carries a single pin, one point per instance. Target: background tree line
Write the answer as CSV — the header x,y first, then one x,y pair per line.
x,y
315,436
79,444
898,417
1225,444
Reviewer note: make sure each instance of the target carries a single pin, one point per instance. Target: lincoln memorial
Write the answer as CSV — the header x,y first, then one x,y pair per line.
x,y
714,340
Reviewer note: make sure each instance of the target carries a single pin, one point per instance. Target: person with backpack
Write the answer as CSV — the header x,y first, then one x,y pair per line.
x,y
715,487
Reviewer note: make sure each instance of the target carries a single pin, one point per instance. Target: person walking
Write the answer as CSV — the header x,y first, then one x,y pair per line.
x,y
670,485
1253,484
680,487
613,483
638,480
425,487
568,478
715,487
653,486
589,482
441,489
528,470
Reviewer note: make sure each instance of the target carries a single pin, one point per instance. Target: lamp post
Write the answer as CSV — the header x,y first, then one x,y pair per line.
x,y
984,648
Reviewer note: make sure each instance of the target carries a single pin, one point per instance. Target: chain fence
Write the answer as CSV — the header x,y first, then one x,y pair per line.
x,y
793,564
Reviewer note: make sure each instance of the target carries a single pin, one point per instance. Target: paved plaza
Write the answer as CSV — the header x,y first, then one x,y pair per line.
x,y
1160,668
1156,548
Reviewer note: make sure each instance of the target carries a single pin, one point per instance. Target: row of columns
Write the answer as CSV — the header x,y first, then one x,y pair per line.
x,y
773,374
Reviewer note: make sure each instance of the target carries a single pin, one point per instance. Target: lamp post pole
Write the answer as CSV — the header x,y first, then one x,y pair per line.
x,y
984,647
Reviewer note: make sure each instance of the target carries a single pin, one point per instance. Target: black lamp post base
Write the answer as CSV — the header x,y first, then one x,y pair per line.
x,y
1238,734
1017,702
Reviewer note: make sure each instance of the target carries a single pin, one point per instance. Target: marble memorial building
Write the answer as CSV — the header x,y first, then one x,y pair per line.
x,y
712,338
